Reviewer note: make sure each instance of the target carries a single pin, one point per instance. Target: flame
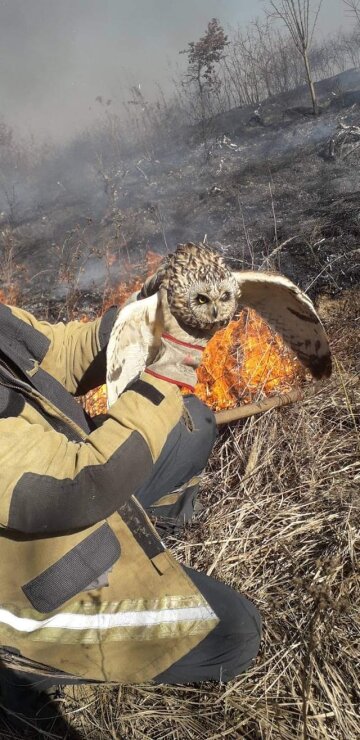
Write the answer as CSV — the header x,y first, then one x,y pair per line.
x,y
243,362
134,276
95,401
10,295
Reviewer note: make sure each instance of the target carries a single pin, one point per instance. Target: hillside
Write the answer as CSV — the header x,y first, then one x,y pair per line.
x,y
263,182
274,188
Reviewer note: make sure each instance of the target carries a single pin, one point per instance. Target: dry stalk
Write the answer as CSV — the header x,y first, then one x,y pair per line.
x,y
242,412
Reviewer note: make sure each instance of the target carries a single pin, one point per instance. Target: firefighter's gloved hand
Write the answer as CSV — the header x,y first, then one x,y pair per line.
x,y
132,298
180,352
150,286
153,283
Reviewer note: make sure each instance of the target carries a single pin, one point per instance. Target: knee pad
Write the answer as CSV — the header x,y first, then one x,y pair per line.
x,y
205,429
245,629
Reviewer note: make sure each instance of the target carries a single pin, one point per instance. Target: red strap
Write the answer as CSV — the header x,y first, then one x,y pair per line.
x,y
183,344
170,380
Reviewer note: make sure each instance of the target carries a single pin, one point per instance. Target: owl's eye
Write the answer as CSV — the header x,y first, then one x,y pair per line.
x,y
202,299
225,296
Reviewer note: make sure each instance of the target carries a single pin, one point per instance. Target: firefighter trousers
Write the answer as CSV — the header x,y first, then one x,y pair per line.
x,y
229,649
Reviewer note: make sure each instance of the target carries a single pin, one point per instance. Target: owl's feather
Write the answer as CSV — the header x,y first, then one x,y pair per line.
x,y
133,344
289,312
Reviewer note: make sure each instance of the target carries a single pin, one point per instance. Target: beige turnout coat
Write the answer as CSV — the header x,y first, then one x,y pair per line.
x,y
86,586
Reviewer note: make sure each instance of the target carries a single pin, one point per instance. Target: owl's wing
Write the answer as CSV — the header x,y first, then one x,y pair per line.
x,y
289,312
133,343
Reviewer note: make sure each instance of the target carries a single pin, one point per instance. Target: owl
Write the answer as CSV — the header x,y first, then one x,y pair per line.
x,y
203,293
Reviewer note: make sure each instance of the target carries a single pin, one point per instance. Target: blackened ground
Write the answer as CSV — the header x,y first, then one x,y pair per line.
x,y
263,189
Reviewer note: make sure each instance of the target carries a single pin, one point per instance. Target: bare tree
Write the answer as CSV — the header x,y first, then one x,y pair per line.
x,y
354,8
296,15
203,56
260,63
347,48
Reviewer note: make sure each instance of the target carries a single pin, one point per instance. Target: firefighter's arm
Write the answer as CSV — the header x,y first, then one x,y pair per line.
x,y
51,485
77,350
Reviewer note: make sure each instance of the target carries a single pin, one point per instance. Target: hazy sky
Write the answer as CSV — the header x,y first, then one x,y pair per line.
x,y
57,56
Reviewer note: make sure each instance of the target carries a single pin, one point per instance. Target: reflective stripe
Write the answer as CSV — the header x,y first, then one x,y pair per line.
x,y
68,621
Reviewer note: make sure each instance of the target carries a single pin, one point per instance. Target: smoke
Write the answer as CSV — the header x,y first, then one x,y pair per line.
x,y
58,57
81,199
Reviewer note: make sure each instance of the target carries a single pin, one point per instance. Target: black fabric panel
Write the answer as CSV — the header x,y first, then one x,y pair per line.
x,y
10,367
22,345
230,647
11,402
21,342
136,520
61,398
98,420
183,455
95,374
56,393
43,504
74,571
106,325
147,390
57,424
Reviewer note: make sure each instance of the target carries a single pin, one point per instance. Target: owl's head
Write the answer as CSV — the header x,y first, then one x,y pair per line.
x,y
212,304
202,292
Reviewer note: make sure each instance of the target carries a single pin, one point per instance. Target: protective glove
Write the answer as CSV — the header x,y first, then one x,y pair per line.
x,y
153,283
132,298
180,351
150,286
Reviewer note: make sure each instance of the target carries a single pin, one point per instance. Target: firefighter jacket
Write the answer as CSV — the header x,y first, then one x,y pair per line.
x,y
86,586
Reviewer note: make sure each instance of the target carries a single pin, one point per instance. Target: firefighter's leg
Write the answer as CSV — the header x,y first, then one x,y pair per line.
x,y
170,494
226,652
28,697
229,649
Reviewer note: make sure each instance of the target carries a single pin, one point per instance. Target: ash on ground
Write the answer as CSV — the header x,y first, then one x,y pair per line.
x,y
272,187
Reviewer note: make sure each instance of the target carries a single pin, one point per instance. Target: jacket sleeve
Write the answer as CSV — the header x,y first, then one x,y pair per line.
x,y
77,350
51,485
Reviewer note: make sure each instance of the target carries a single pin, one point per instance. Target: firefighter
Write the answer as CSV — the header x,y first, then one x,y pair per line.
x,y
88,591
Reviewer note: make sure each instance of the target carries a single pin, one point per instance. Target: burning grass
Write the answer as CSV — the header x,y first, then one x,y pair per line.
x,y
244,361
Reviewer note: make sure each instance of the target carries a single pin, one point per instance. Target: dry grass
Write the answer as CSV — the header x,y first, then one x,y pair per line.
x,y
280,524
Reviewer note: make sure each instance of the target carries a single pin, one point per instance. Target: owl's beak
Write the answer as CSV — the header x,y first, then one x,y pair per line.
x,y
215,312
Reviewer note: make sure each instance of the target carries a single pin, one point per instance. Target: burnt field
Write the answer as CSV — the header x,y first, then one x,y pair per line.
x,y
273,188
278,189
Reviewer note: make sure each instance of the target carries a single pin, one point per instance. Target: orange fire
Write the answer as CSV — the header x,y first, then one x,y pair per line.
x,y
134,276
243,362
10,296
